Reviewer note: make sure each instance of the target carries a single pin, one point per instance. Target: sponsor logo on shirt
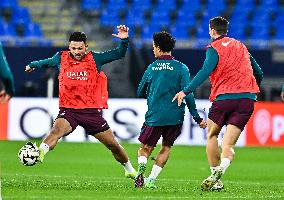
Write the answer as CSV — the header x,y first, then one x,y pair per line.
x,y
162,66
83,76
226,43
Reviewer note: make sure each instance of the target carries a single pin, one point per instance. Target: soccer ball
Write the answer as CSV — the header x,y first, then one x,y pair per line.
x,y
29,154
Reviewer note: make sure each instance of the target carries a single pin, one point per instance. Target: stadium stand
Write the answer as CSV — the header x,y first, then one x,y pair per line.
x,y
253,20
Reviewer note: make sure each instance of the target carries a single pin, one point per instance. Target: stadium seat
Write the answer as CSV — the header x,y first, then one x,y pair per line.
x,y
179,33
21,16
91,5
141,6
134,18
191,5
185,19
116,5
7,30
163,5
109,18
148,31
8,4
33,30
160,18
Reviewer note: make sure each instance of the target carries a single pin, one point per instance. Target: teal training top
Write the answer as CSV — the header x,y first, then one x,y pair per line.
x,y
100,58
161,81
5,74
283,88
210,63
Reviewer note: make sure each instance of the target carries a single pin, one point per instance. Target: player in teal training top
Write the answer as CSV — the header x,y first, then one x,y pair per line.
x,y
160,82
7,88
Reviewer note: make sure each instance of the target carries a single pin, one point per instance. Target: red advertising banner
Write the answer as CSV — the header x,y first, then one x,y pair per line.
x,y
266,125
3,121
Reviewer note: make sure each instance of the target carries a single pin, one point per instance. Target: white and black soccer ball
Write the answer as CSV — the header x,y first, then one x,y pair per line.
x,y
29,154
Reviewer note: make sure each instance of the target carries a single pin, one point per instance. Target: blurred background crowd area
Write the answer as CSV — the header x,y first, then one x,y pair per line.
x,y
37,29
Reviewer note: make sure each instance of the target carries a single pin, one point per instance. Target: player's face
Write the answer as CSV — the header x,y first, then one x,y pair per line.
x,y
211,33
78,49
156,50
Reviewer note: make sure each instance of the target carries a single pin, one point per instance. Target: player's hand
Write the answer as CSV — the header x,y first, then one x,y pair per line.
x,y
179,96
122,32
29,69
203,124
4,97
282,96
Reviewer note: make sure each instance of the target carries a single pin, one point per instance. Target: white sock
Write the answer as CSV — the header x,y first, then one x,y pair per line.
x,y
128,167
142,159
225,163
155,172
212,169
44,147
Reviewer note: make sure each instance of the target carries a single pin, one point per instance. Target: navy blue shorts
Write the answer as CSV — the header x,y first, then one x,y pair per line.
x,y
150,135
231,111
90,119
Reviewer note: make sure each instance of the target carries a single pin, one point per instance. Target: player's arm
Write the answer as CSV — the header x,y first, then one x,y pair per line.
x,y
54,61
257,71
6,77
209,65
143,85
189,99
102,58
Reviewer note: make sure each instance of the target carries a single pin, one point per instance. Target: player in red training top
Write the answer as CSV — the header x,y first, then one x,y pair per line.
x,y
83,94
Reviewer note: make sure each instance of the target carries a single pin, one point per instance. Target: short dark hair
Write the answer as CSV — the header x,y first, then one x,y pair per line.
x,y
78,37
164,40
219,24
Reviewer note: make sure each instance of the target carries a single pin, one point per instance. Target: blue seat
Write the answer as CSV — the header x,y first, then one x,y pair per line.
x,y
134,18
141,6
202,32
109,18
33,30
191,5
260,31
279,34
179,34
160,18
4,4
7,30
148,31
21,16
117,5
211,6
185,19
165,5
91,5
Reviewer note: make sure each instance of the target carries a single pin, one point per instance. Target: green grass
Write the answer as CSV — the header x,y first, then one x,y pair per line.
x,y
88,171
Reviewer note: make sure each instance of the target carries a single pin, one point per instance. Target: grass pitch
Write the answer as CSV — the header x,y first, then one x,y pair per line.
x,y
88,171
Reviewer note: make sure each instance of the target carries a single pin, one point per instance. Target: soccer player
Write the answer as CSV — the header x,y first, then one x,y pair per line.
x,y
235,78
7,87
160,82
282,93
83,94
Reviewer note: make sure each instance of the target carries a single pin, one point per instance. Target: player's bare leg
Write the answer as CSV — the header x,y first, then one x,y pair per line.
x,y
61,127
230,139
212,149
161,161
143,154
118,152
213,156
